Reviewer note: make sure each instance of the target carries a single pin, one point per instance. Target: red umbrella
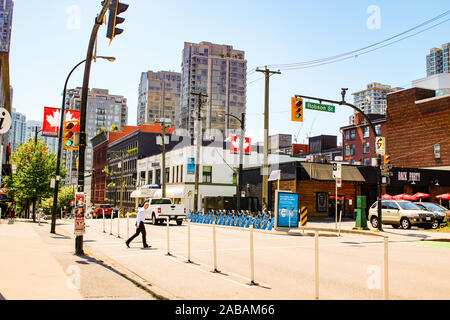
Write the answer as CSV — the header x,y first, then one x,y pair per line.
x,y
409,197
399,196
422,195
445,196
4,191
386,197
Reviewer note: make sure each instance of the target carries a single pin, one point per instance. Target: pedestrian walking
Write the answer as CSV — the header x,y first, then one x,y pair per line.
x,y
140,227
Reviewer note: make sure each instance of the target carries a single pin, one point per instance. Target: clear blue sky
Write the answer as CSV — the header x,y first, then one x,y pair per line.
x,y
44,49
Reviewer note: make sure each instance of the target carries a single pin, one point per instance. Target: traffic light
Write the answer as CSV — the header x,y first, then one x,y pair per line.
x,y
115,9
69,133
297,110
387,159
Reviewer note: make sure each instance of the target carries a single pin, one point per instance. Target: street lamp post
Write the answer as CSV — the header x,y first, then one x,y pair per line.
x,y
241,155
60,137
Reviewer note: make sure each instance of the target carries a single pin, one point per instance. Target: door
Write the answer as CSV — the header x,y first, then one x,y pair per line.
x,y
389,212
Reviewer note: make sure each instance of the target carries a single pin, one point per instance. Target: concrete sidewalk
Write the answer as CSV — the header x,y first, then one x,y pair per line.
x,y
37,265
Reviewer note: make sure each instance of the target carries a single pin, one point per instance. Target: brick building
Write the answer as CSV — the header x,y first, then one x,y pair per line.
x,y
143,138
359,141
418,129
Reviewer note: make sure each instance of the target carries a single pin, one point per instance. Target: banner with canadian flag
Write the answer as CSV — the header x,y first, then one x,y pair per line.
x,y
52,118
235,145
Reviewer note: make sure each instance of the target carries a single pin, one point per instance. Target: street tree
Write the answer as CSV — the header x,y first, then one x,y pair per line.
x,y
36,166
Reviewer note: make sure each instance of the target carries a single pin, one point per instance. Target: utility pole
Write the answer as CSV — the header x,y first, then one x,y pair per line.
x,y
199,143
163,165
163,140
265,194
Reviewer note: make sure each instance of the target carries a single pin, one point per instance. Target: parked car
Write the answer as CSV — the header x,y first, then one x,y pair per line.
x,y
102,208
442,213
401,214
161,208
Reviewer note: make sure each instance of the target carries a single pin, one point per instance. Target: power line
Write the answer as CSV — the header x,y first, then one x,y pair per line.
x,y
365,52
353,52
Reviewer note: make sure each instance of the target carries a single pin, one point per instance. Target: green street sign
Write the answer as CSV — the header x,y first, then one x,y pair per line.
x,y
320,107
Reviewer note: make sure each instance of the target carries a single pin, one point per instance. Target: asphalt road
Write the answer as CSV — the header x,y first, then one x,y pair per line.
x,y
350,266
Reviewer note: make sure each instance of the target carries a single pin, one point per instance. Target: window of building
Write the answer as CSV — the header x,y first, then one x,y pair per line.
x,y
366,148
158,176
347,135
352,134
150,177
207,174
366,132
378,129
367,161
168,175
347,151
352,150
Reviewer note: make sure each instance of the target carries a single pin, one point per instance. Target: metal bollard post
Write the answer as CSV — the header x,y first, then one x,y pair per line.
x,y
168,238
386,268
215,247
110,229
128,225
118,224
340,222
252,258
317,264
189,241
104,230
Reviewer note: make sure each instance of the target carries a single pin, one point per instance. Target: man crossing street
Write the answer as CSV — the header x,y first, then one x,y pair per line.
x,y
140,227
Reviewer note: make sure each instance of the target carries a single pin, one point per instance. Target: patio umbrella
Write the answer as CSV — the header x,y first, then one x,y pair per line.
x,y
4,190
445,196
409,197
421,195
399,196
386,197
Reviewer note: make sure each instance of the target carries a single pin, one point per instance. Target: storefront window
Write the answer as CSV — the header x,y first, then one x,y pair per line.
x,y
207,174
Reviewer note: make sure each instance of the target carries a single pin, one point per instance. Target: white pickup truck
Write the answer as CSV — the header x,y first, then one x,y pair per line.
x,y
161,208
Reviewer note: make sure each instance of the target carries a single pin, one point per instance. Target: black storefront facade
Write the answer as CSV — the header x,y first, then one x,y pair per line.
x,y
409,181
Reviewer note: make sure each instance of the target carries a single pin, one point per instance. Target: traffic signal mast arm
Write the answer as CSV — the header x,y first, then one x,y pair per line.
x,y
343,103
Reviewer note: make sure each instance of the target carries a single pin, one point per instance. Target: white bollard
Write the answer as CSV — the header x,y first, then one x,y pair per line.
x,y
252,258
110,229
386,268
128,225
317,264
118,224
168,237
214,247
189,240
104,230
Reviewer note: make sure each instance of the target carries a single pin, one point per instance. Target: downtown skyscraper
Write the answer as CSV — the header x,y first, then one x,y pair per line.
x,y
438,60
220,72
159,96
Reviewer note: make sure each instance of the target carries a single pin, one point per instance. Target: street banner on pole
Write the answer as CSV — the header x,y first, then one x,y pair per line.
x,y
380,145
52,118
79,217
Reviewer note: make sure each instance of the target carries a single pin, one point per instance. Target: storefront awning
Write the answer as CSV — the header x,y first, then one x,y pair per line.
x,y
324,172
